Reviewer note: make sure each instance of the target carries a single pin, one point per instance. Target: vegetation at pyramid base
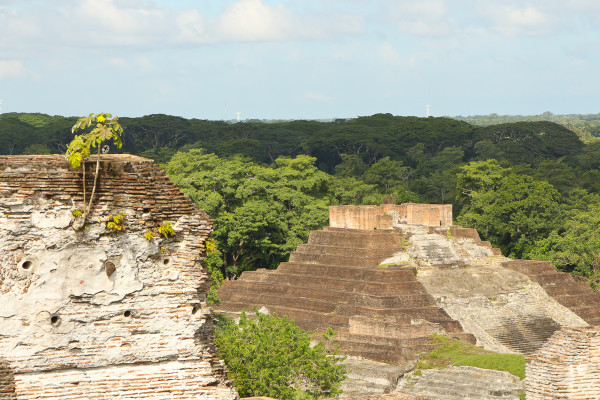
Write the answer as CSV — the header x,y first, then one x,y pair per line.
x,y
454,352
271,356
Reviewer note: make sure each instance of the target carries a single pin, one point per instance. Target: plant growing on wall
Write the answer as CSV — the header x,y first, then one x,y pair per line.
x,y
106,128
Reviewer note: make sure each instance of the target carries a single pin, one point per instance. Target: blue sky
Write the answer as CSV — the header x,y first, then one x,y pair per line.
x,y
296,59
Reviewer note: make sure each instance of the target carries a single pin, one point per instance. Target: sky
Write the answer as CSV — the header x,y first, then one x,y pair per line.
x,y
299,59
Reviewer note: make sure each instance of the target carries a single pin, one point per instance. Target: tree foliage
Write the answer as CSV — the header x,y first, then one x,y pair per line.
x,y
264,205
260,213
271,356
512,211
106,128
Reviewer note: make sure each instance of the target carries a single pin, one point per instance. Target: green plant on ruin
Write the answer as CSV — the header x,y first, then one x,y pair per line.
x,y
271,356
149,235
454,352
116,222
105,128
76,213
166,229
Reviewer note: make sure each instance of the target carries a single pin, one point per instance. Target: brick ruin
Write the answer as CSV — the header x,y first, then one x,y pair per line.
x,y
98,313
566,367
386,216
387,277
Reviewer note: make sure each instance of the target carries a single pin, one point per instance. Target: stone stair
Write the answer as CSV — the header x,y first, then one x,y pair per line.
x,y
366,376
574,295
336,280
457,383
445,246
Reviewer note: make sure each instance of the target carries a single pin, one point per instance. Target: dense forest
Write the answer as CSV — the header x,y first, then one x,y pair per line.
x,y
530,187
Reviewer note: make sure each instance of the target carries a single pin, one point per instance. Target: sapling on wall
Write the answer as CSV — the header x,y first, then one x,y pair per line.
x,y
106,127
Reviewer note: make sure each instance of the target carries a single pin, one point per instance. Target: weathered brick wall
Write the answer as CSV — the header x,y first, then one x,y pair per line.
x,y
96,313
7,381
425,214
388,215
566,367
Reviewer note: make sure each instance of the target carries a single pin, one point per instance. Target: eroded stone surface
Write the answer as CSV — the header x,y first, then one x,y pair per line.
x,y
97,313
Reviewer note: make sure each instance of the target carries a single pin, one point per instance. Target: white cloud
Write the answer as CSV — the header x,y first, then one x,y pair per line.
x,y
143,23
524,21
529,20
422,18
13,69
252,20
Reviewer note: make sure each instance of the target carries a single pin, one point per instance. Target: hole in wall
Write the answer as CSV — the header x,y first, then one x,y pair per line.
x,y
55,320
146,210
26,265
166,261
127,314
109,268
195,308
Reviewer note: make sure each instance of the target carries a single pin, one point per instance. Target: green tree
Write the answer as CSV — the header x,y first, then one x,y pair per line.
x,y
513,213
260,213
574,246
271,356
387,173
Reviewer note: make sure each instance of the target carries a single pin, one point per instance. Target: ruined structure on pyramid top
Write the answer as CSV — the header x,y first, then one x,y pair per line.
x,y
386,216
103,312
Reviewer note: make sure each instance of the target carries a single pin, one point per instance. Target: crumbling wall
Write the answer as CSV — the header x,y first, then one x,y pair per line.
x,y
386,216
98,313
566,367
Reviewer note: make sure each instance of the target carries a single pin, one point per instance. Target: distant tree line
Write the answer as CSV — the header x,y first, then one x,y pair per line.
x,y
532,188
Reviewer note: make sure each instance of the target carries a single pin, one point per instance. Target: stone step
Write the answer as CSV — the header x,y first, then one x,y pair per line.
x,y
333,283
579,300
530,267
249,299
588,313
266,299
373,371
382,352
463,383
481,374
417,340
389,273
525,336
399,301
551,279
418,299
351,259
343,250
568,289
431,314
315,318
355,238
359,387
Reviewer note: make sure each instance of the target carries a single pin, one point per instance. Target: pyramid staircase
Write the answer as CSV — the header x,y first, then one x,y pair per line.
x,y
381,312
566,290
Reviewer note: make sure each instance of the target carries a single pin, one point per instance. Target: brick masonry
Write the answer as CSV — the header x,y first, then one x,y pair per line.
x,y
386,216
96,313
566,367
